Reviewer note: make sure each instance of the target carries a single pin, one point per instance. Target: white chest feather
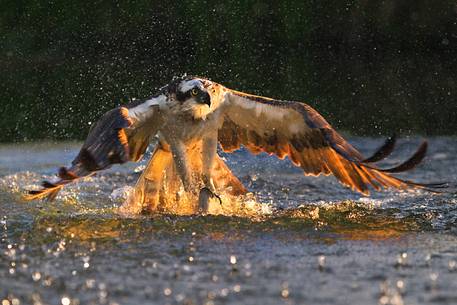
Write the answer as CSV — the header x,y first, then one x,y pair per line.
x,y
187,129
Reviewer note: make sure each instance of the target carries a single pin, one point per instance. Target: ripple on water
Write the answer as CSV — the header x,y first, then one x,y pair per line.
x,y
300,240
385,215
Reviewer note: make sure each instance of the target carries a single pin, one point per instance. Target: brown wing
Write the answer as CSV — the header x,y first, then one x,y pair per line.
x,y
121,135
299,132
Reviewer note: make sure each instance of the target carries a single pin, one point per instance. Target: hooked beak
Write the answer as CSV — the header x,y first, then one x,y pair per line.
x,y
204,98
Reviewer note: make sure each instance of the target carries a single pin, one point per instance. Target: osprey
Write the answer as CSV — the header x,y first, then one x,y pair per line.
x,y
190,116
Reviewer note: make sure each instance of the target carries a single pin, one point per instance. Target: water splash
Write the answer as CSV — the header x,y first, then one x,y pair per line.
x,y
284,198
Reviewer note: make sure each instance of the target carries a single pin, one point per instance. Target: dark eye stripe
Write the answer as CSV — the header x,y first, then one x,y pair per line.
x,y
182,96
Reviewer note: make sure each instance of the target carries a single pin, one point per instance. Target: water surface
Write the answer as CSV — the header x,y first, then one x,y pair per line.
x,y
305,241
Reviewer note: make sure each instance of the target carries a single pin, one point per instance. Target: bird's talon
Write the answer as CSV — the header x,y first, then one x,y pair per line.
x,y
218,198
213,194
206,193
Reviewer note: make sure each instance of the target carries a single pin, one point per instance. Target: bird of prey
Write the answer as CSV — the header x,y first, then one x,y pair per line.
x,y
191,116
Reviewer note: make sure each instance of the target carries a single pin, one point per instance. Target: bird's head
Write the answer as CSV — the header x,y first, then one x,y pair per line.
x,y
196,96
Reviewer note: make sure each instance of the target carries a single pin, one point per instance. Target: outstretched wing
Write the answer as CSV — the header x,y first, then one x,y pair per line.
x,y
296,130
121,135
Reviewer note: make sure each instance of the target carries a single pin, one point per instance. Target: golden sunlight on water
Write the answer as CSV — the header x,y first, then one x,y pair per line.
x,y
335,219
348,219
84,247
180,203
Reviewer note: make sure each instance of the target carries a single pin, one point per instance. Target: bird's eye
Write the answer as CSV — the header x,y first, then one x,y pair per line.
x,y
194,92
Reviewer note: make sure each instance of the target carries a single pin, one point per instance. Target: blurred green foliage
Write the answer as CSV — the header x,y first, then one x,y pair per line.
x,y
370,67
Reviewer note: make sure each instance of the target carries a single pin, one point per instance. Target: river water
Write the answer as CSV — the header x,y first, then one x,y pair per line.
x,y
305,240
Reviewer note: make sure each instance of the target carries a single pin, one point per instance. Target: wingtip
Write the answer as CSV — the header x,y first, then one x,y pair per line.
x,y
412,162
384,151
409,164
48,192
35,195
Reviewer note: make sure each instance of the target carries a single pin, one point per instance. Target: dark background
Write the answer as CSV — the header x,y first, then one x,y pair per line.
x,y
370,67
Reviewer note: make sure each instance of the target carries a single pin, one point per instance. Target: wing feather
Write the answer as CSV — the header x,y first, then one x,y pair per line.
x,y
296,130
120,135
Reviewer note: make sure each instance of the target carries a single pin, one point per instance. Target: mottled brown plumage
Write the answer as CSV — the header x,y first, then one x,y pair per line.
x,y
191,115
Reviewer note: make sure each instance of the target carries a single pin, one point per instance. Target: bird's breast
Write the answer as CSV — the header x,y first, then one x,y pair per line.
x,y
188,130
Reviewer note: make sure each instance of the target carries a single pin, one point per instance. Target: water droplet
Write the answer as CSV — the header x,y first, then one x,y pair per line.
x,y
180,297
384,300
452,264
285,290
90,283
321,262
224,292
402,259
65,301
167,291
237,288
232,259
48,281
36,276
86,260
